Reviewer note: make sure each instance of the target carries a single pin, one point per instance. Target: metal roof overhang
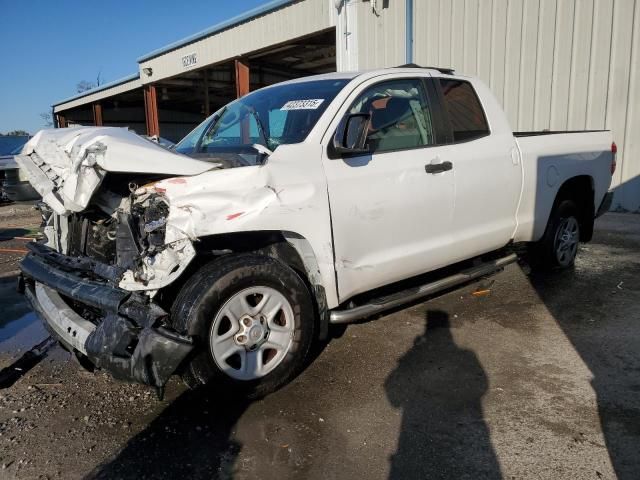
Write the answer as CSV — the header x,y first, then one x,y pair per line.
x,y
270,26
255,12
106,90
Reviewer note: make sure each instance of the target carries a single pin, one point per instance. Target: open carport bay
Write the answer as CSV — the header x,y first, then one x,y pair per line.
x,y
538,379
173,106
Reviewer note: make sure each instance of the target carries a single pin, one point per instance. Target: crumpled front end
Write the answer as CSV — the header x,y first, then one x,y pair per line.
x,y
120,331
67,166
94,281
108,249
130,233
89,182
115,238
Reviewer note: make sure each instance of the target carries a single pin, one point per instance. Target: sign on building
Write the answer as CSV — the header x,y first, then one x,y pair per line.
x,y
190,60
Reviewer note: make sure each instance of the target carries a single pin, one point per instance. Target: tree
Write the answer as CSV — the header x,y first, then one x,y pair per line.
x,y
84,85
17,133
47,119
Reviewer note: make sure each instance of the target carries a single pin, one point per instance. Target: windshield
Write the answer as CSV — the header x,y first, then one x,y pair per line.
x,y
269,117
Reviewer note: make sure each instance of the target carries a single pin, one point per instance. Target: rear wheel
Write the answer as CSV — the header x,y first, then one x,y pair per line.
x,y
253,321
565,242
558,247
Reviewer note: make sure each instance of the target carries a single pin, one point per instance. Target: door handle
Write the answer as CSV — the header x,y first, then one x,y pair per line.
x,y
438,167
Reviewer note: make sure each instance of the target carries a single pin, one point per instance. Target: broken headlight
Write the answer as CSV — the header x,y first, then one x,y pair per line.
x,y
154,221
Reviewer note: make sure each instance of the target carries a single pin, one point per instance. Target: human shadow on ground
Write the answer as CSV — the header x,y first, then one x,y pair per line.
x,y
439,388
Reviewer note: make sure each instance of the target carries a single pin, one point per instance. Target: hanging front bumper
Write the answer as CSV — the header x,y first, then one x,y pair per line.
x,y
128,336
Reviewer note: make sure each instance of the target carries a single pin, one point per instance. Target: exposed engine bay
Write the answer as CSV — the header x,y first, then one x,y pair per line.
x,y
108,249
128,232
95,204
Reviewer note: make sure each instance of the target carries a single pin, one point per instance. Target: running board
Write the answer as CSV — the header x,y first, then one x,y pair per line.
x,y
407,296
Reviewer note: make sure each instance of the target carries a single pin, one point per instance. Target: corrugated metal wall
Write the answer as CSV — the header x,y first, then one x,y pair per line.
x,y
381,34
554,64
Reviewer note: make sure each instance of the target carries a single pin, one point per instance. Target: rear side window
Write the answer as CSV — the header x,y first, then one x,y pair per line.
x,y
464,110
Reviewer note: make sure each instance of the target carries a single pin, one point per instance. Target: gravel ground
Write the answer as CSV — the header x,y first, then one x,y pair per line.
x,y
538,379
19,220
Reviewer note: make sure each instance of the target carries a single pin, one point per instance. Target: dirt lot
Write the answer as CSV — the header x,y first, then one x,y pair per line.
x,y
538,379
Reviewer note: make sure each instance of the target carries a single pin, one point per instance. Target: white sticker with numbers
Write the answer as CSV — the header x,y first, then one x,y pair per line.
x,y
310,104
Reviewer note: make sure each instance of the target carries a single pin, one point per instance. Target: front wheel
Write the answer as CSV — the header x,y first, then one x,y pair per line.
x,y
253,321
558,247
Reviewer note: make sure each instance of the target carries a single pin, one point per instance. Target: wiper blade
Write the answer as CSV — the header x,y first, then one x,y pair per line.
x,y
262,149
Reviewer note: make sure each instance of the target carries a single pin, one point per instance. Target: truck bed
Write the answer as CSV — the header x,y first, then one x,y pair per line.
x,y
549,162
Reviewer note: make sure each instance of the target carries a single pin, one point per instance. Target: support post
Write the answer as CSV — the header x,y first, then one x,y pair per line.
x,y
62,121
97,114
242,78
207,107
242,88
409,32
151,110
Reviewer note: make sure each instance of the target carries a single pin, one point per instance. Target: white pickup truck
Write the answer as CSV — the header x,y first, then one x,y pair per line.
x,y
318,201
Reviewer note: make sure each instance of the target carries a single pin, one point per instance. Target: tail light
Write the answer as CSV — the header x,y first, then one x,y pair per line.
x,y
614,150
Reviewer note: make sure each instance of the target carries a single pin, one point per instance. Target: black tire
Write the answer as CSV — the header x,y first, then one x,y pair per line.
x,y
544,254
207,291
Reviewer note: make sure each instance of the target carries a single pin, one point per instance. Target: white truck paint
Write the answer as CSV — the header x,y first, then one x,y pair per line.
x,y
390,220
358,221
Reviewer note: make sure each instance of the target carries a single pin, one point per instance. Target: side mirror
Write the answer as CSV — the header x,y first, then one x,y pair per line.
x,y
351,136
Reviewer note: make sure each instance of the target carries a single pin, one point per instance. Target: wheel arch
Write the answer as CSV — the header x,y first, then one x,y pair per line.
x,y
579,189
291,248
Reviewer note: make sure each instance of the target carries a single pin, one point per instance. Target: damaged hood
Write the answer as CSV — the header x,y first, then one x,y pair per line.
x,y
66,166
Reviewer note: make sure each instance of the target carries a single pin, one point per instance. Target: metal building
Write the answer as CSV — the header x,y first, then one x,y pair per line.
x,y
553,64
178,85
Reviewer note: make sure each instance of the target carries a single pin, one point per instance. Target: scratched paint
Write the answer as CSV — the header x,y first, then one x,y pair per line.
x,y
234,215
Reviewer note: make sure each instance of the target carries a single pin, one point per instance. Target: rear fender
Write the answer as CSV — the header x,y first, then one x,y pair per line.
x,y
581,191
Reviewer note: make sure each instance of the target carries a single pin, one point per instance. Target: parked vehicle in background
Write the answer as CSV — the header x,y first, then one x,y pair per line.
x,y
11,143
14,185
318,201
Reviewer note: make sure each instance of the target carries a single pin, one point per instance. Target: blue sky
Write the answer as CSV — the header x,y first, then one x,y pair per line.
x,y
47,47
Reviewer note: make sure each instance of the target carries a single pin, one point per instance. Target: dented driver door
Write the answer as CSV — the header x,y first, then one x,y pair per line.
x,y
391,209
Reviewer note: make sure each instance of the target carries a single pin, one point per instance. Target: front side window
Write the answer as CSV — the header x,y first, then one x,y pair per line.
x,y
465,112
400,115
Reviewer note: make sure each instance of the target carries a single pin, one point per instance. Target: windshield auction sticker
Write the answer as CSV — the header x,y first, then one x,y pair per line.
x,y
310,104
